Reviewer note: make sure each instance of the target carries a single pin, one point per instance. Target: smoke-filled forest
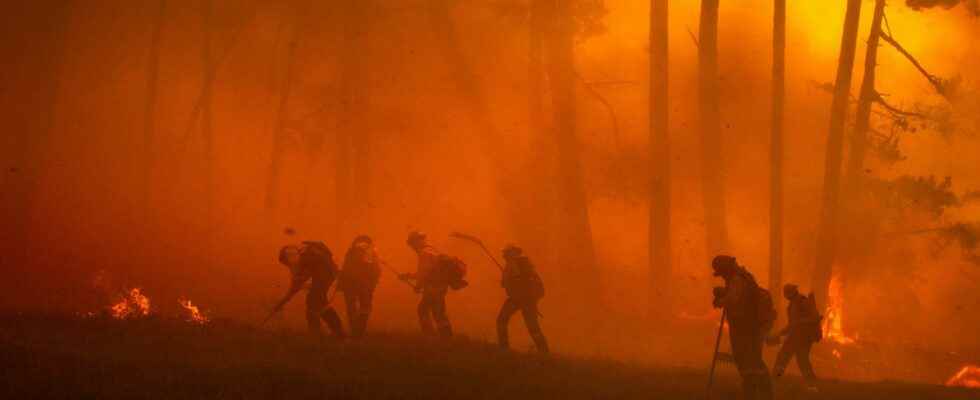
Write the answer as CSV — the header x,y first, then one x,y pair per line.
x,y
157,155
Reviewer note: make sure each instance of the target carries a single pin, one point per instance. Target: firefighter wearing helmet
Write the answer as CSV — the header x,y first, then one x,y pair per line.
x,y
524,289
432,305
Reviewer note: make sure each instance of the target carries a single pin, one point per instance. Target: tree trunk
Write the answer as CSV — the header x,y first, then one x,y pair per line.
x,y
347,154
207,124
712,166
827,230
540,167
866,99
535,71
32,82
659,224
279,136
576,252
776,150
150,109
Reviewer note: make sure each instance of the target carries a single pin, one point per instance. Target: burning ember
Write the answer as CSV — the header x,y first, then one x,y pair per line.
x,y
833,329
194,314
133,305
968,376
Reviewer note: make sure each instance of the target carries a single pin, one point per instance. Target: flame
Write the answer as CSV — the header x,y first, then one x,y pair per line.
x,y
836,353
968,376
133,305
833,326
194,314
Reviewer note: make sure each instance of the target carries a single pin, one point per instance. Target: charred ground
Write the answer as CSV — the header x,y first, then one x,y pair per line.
x,y
66,357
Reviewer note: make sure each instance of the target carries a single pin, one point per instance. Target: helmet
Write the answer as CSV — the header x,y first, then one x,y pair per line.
x,y
790,289
415,238
723,264
511,251
362,239
287,252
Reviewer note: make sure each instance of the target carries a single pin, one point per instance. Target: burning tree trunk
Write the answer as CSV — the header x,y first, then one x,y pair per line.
x,y
279,136
659,225
149,110
860,136
776,149
827,231
575,252
712,167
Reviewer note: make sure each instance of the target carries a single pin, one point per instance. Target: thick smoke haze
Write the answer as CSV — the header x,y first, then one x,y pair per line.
x,y
166,145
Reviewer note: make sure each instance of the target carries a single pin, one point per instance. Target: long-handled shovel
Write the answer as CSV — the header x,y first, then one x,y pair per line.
x,y
478,242
398,275
714,356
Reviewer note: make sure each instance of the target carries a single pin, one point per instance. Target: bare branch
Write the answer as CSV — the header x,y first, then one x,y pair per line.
x,y
198,102
606,104
895,110
934,80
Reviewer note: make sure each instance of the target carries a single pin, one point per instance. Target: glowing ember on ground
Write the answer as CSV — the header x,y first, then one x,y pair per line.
x,y
194,313
968,376
133,305
833,329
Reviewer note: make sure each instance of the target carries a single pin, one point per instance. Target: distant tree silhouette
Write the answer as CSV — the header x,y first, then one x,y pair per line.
x,y
712,164
776,149
659,202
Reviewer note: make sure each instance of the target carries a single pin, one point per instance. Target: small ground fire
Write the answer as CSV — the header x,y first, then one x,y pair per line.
x,y
133,305
193,313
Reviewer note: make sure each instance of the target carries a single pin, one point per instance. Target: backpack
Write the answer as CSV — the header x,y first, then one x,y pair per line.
x,y
453,271
535,286
765,308
318,255
358,273
527,283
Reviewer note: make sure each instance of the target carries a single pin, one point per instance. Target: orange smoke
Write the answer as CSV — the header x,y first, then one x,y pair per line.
x,y
193,313
968,376
133,305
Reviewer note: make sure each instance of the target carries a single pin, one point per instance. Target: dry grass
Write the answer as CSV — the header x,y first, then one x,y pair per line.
x,y
55,357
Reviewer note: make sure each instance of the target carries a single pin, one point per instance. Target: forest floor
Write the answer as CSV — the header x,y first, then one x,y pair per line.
x,y
44,357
